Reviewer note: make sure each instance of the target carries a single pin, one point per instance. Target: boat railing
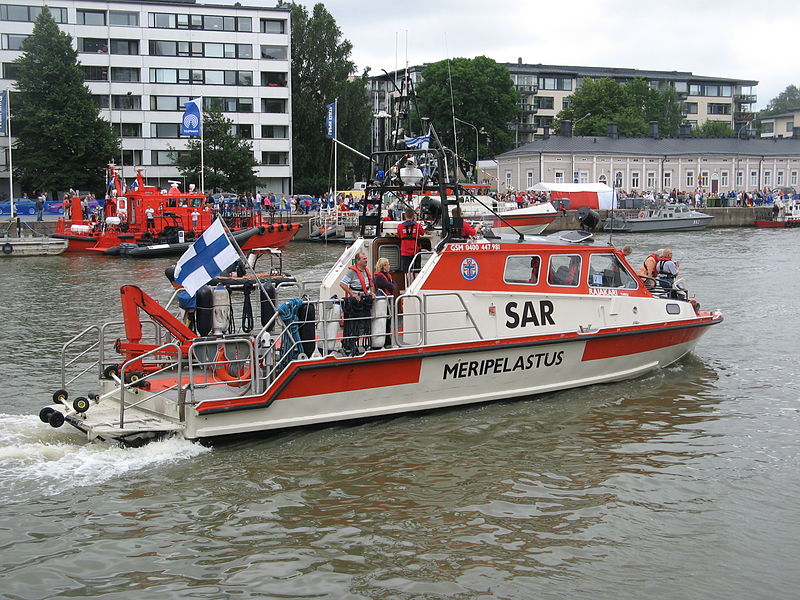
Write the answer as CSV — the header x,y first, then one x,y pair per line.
x,y
133,379
426,315
89,347
226,363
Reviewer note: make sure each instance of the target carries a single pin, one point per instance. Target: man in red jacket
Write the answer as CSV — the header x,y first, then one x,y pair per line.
x,y
410,232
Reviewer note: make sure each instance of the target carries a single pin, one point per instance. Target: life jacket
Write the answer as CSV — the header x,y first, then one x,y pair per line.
x,y
645,268
364,287
662,274
409,233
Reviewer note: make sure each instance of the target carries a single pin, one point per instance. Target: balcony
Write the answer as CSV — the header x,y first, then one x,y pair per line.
x,y
745,98
743,116
529,109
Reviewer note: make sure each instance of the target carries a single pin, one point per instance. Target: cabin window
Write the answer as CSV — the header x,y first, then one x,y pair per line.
x,y
522,269
606,270
565,269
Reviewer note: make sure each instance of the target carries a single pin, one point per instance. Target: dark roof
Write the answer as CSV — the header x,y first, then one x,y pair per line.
x,y
619,72
645,146
790,113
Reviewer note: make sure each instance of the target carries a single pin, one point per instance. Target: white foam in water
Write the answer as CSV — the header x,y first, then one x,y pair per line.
x,y
33,454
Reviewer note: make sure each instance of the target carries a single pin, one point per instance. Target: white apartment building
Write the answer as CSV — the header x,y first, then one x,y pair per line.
x,y
144,60
545,90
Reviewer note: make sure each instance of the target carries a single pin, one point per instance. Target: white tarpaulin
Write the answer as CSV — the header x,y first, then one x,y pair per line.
x,y
593,195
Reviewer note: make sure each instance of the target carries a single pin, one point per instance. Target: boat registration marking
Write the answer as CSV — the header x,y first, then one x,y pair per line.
x,y
505,364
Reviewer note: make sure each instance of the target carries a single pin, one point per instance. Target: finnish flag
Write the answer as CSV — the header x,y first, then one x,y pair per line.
x,y
421,142
205,259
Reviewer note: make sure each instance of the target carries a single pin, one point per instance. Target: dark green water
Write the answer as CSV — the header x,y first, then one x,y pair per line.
x,y
683,484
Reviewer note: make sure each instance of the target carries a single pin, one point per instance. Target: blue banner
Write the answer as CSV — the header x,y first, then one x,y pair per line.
x,y
4,113
190,124
330,121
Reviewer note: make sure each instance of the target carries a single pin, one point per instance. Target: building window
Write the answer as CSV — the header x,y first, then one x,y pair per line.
x,y
719,109
273,79
778,177
651,180
559,176
544,102
793,178
602,179
92,73
789,126
91,17
635,180
130,47
767,178
274,158
274,52
754,178
273,26
508,180
200,76
724,179
529,179
583,176
131,129
555,83
28,14
132,157
243,105
243,130
12,41
165,130
10,71
767,126
164,157
123,19
124,74
667,180
101,100
690,108
689,179
739,179
565,103
94,45
703,179
273,105
273,132
207,22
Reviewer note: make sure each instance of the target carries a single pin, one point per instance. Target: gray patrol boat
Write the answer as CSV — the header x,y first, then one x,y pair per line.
x,y
658,217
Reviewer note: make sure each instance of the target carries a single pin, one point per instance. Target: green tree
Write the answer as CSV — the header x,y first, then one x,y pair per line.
x,y
62,142
227,159
783,102
632,106
483,94
322,72
714,129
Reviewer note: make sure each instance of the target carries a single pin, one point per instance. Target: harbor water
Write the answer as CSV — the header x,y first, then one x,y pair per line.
x,y
680,484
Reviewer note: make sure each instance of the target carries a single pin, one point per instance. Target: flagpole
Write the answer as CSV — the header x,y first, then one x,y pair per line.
x,y
243,258
10,162
335,145
202,149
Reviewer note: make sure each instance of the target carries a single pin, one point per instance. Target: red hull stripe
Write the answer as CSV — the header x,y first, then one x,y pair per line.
x,y
611,347
403,365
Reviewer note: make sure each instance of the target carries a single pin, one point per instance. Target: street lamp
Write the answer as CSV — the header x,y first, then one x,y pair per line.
x,y
475,170
581,119
739,132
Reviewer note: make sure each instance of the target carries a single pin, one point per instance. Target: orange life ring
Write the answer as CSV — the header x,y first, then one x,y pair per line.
x,y
222,374
641,214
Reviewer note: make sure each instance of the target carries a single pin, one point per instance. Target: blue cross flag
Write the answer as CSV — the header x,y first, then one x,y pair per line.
x,y
205,259
190,124
421,142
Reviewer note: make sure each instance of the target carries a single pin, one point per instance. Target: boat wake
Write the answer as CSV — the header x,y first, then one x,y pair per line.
x,y
38,460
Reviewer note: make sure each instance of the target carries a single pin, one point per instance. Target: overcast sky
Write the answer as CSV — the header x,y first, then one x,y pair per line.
x,y
730,38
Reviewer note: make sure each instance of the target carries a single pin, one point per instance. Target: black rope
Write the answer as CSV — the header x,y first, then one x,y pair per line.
x,y
247,308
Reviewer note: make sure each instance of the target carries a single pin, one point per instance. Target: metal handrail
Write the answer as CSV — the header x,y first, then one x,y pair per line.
x,y
123,385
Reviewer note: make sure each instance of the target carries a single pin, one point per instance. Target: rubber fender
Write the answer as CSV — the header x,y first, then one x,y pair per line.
x,y
308,313
204,313
267,306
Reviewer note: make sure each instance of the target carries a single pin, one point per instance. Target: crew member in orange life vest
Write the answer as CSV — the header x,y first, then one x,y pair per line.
x,y
409,232
357,280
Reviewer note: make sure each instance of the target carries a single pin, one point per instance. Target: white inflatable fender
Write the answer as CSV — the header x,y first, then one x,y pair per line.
x,y
380,321
222,310
332,326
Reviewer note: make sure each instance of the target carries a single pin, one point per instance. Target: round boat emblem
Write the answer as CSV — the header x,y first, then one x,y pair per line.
x,y
469,268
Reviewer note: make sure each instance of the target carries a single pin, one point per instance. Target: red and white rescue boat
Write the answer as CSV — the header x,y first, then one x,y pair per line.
x,y
482,320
